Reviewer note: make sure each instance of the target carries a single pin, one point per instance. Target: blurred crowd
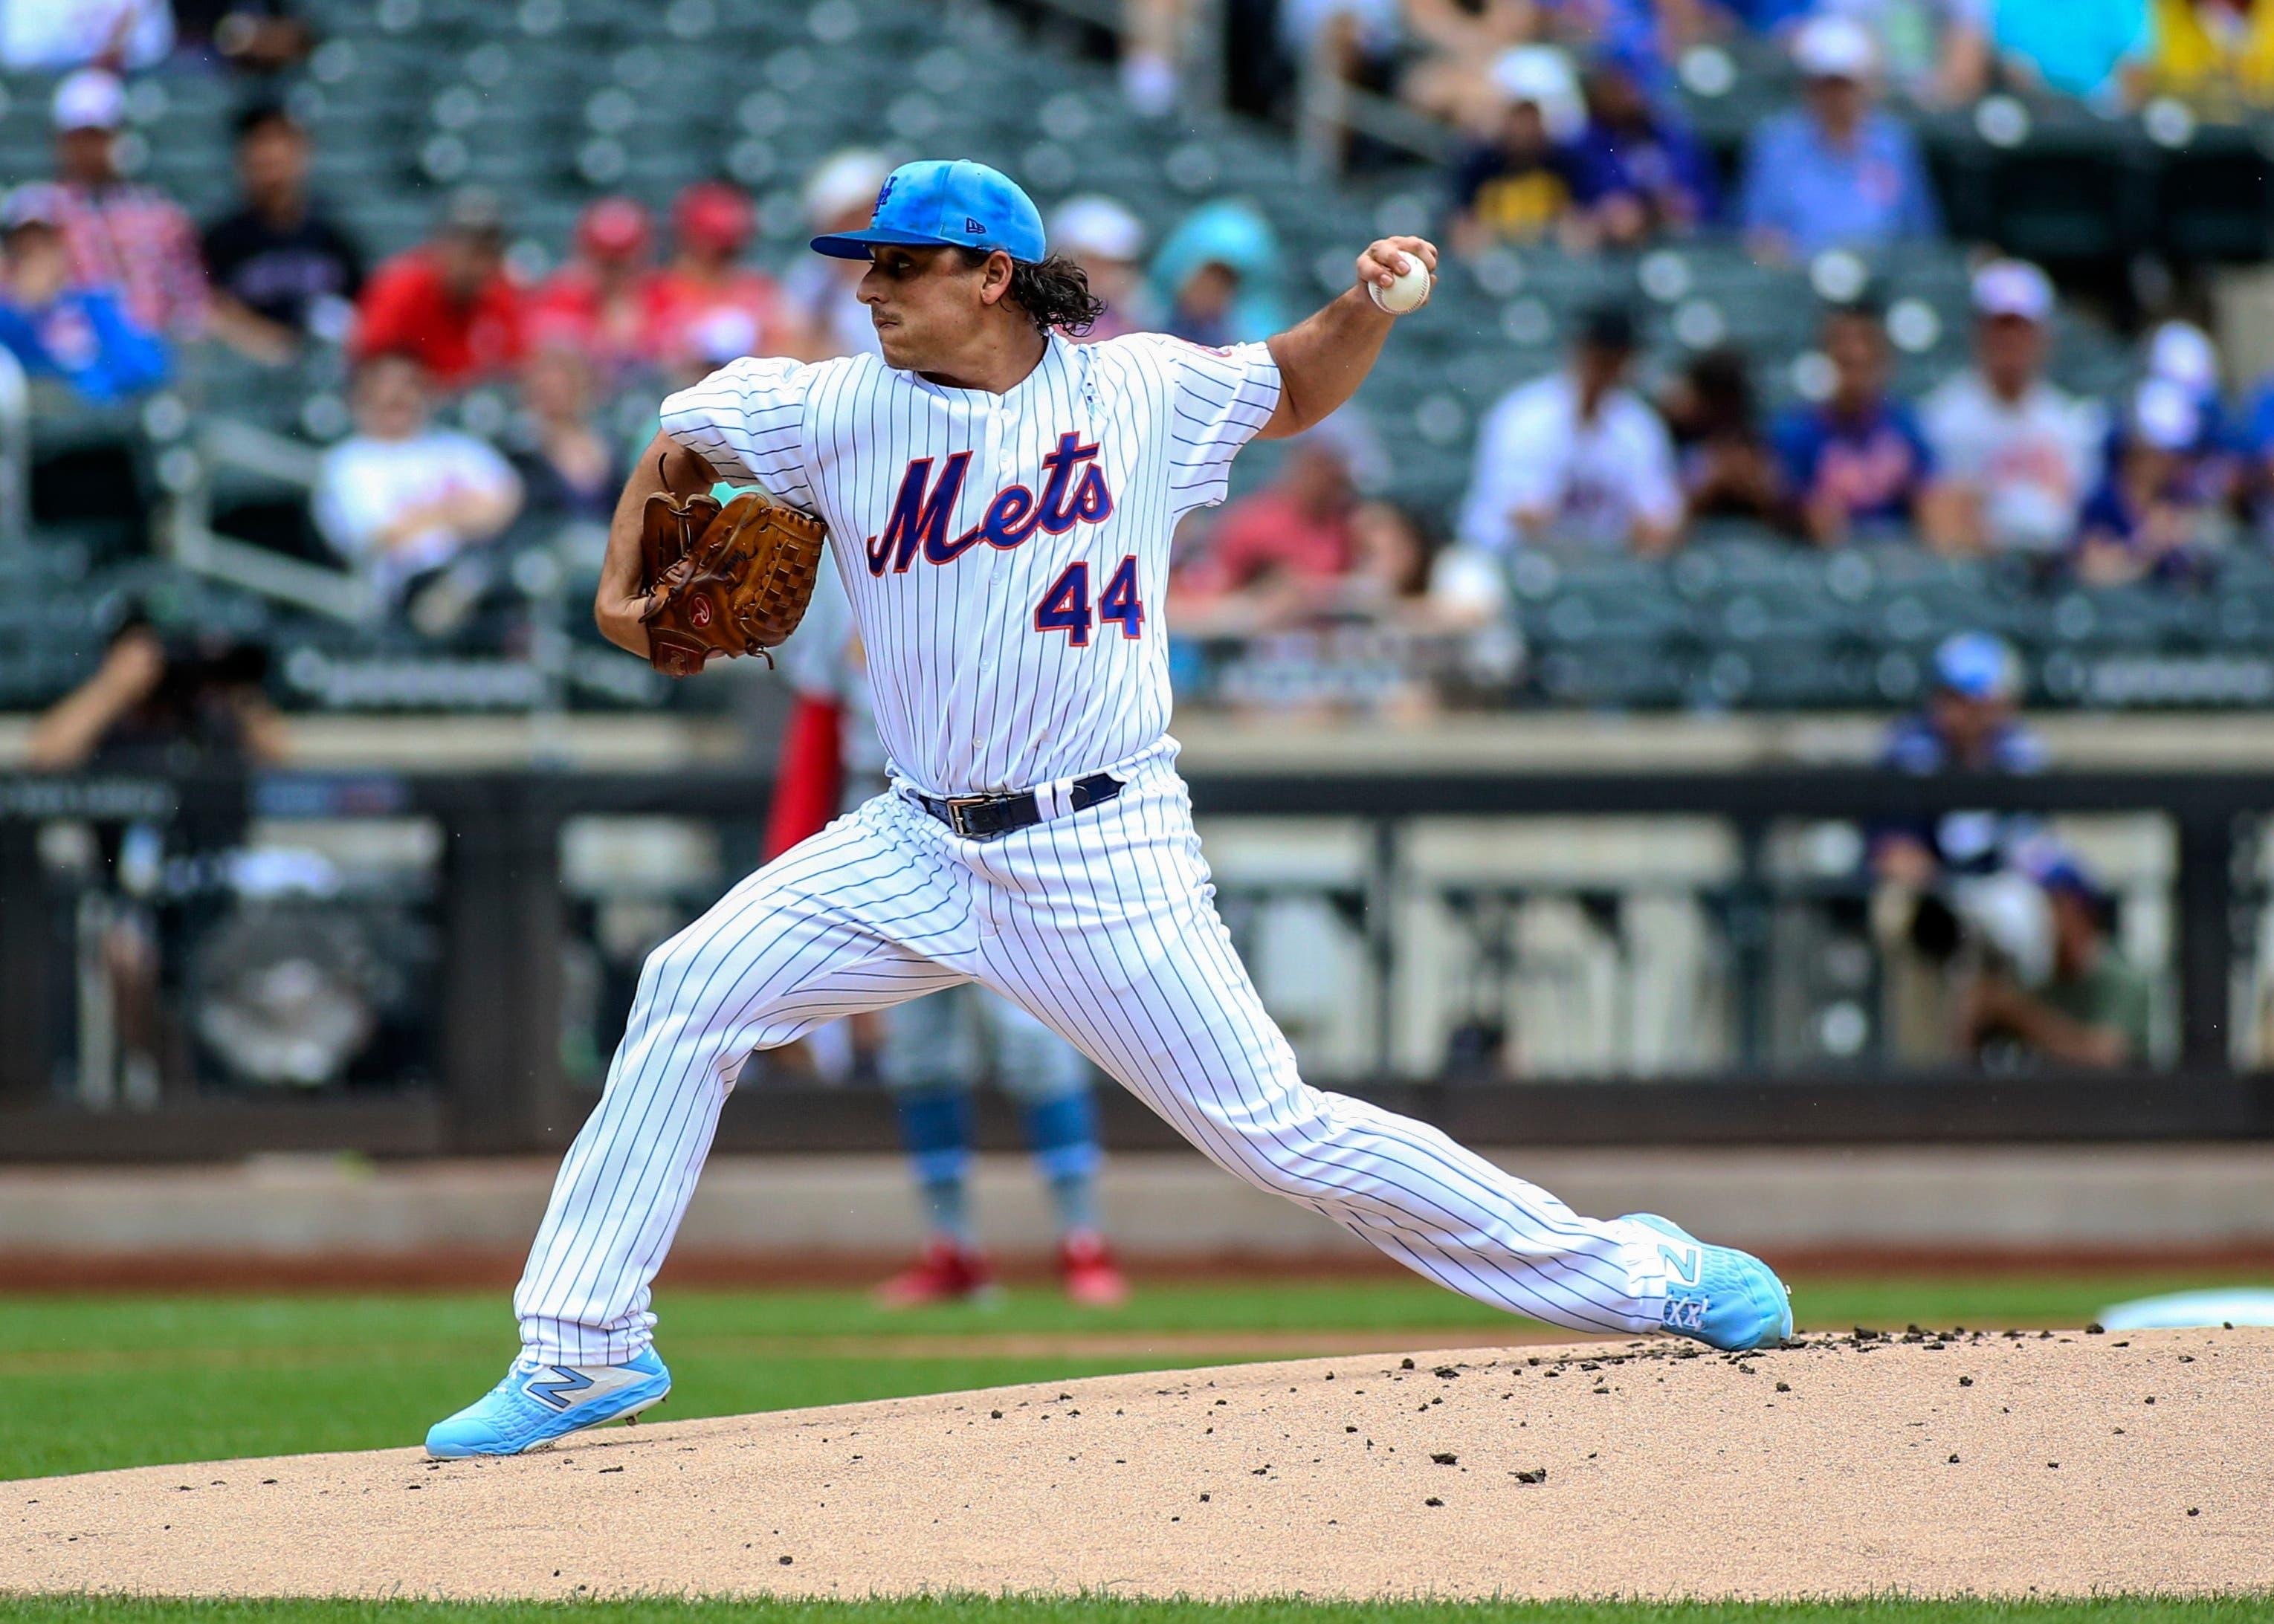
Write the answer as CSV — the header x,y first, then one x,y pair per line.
x,y
1462,60
1322,591
1995,459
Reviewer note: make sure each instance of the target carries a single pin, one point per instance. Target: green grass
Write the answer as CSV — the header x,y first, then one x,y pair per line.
x,y
103,1381
1096,1610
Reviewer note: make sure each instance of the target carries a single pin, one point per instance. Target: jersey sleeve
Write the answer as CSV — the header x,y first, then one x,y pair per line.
x,y
1216,401
748,421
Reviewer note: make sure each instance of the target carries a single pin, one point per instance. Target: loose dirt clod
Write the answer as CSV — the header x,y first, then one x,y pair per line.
x,y
2057,1500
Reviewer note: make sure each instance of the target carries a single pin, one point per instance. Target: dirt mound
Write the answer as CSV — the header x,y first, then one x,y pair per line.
x,y
1926,1461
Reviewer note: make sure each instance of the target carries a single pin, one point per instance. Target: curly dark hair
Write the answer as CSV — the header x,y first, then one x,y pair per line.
x,y
1054,292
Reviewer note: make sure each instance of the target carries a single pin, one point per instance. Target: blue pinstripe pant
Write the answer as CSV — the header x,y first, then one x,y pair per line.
x,y
1103,924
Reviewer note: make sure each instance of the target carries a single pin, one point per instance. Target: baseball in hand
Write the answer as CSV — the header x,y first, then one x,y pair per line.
x,y
1407,292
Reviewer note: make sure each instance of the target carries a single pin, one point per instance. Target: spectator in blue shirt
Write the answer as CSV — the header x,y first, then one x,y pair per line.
x,y
1858,462
1837,170
1635,171
81,335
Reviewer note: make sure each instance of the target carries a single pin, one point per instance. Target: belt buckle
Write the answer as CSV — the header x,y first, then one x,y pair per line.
x,y
956,806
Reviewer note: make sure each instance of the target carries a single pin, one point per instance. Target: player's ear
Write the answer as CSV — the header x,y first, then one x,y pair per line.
x,y
995,278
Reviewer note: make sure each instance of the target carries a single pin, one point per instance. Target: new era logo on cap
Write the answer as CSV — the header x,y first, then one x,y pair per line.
x,y
951,201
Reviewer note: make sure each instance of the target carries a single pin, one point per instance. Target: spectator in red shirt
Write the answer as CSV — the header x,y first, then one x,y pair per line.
x,y
1282,555
122,236
710,225
449,303
604,299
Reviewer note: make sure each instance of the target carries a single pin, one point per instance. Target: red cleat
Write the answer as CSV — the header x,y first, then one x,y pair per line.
x,y
1092,1278
947,1273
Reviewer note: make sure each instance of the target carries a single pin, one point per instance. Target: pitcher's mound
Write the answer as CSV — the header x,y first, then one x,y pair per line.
x,y
1966,1462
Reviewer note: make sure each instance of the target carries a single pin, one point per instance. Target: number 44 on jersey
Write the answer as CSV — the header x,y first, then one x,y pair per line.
x,y
1065,607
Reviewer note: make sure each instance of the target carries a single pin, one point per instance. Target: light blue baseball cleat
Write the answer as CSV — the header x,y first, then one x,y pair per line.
x,y
1717,1295
537,1404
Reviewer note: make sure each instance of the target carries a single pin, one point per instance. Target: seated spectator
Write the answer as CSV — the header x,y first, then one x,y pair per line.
x,y
449,303
568,469
2092,1008
1837,170
1577,456
283,269
1278,556
53,36
1215,275
124,236
2016,452
1636,172
1858,464
2219,54
2097,50
77,335
606,297
2151,518
1515,186
1106,240
710,225
820,293
400,498
1728,469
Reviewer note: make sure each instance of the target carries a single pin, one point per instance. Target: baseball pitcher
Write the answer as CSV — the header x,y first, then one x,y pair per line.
x,y
999,503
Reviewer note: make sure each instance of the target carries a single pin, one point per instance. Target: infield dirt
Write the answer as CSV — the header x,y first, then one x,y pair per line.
x,y
2066,1463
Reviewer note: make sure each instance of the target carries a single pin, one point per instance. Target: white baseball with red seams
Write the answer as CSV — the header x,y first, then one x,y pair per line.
x,y
1006,555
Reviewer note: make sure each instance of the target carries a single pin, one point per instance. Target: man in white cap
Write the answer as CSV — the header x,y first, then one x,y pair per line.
x,y
839,196
1837,171
2152,517
1108,242
2017,450
121,236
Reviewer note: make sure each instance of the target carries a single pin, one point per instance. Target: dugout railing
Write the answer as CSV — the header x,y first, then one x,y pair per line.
x,y
485,1063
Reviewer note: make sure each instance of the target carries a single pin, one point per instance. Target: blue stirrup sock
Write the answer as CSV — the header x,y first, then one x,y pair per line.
x,y
936,1128
1062,1135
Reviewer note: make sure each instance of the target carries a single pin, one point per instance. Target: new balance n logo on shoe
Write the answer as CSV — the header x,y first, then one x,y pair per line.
x,y
1682,1263
556,1386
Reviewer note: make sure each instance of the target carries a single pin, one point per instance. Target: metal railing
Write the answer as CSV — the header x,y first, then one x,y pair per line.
x,y
503,910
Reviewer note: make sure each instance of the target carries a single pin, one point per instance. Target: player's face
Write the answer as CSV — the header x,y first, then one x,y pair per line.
x,y
924,302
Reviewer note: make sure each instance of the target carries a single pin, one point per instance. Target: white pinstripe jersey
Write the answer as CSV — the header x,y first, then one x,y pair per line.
x,y
1006,555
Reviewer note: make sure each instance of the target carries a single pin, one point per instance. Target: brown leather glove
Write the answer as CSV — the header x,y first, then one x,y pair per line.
x,y
724,581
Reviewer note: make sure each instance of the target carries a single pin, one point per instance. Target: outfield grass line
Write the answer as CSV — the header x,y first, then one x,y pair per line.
x,y
1214,1346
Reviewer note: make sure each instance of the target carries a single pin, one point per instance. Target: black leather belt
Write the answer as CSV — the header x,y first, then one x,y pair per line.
x,y
989,817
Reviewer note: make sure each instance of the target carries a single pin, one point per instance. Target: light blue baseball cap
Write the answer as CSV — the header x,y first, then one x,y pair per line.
x,y
951,201
1978,665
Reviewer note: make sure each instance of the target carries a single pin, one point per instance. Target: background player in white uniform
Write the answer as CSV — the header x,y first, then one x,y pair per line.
x,y
935,1047
1000,503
